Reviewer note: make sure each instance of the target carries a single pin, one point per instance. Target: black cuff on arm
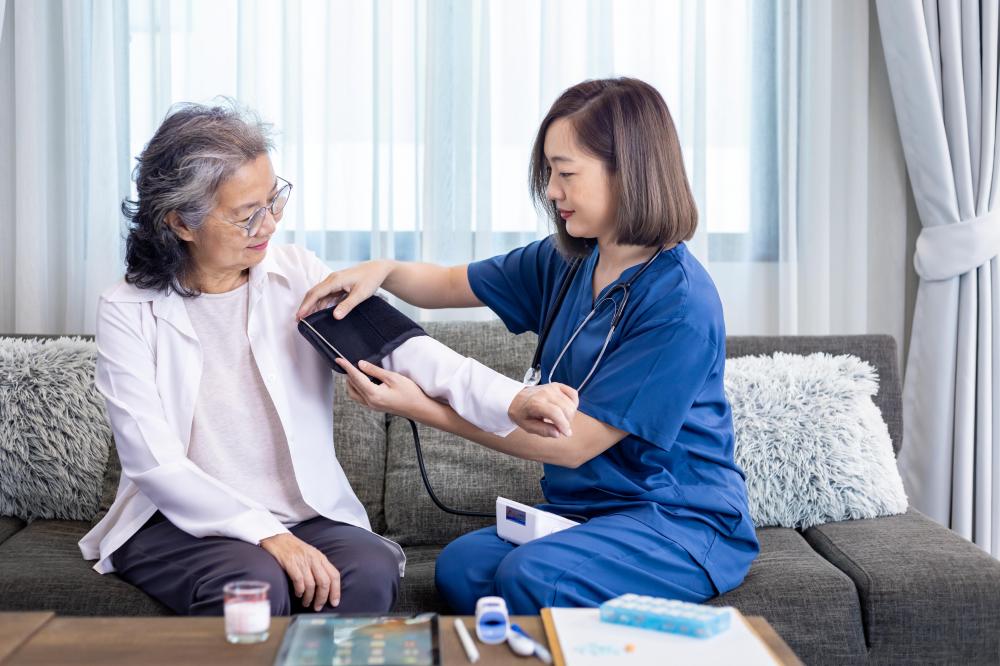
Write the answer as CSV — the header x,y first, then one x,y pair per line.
x,y
370,332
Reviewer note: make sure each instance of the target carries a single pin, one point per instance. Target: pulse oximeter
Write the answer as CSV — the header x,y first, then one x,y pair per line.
x,y
492,620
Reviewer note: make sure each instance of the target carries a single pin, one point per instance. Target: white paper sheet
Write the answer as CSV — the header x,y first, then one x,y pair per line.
x,y
585,641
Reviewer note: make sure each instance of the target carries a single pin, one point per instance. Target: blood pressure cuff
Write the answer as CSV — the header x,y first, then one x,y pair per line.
x,y
369,332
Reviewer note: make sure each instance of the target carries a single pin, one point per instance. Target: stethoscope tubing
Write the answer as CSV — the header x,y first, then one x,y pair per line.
x,y
619,311
607,339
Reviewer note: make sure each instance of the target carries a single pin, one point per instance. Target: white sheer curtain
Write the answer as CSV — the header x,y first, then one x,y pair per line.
x,y
826,252
63,160
406,128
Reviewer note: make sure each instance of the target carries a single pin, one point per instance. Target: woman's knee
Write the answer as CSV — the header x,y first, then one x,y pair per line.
x,y
372,585
248,564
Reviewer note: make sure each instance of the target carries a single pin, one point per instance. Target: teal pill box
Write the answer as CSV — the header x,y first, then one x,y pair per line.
x,y
670,615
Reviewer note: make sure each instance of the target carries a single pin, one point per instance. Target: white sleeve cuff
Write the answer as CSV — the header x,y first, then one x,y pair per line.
x,y
477,393
254,526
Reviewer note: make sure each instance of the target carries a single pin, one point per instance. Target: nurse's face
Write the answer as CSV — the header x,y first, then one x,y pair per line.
x,y
579,184
219,247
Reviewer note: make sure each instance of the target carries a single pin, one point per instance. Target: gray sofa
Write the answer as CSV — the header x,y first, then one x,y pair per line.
x,y
899,589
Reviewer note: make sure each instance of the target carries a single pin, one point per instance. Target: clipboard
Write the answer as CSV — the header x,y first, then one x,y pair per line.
x,y
588,645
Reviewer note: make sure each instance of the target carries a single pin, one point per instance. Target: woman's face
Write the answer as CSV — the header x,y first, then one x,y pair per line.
x,y
578,184
219,247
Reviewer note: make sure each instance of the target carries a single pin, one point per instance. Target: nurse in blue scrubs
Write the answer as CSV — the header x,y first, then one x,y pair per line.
x,y
639,338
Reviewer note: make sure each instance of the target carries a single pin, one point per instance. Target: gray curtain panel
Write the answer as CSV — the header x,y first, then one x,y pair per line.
x,y
942,64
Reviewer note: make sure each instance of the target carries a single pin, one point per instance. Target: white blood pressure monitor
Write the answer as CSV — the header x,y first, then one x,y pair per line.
x,y
520,523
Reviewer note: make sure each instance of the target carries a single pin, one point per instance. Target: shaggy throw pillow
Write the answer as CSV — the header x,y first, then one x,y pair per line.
x,y
811,439
54,432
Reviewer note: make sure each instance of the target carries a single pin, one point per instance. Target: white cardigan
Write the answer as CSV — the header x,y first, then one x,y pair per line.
x,y
149,370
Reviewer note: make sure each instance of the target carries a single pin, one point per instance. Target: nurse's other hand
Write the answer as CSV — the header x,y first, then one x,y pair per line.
x,y
396,394
546,410
350,286
313,577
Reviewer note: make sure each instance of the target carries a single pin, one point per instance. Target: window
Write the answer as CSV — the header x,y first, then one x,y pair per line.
x,y
406,126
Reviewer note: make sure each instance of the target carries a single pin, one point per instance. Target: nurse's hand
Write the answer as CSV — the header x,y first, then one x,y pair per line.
x,y
546,410
396,394
349,286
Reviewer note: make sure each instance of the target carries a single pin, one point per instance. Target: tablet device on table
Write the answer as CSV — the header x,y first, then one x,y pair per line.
x,y
346,640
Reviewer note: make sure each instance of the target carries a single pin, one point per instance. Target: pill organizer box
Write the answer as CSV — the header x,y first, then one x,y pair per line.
x,y
670,615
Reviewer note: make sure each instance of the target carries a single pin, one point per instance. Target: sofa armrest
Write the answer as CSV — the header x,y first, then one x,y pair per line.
x,y
927,594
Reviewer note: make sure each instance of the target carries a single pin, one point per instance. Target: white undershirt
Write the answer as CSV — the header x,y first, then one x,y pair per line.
x,y
236,435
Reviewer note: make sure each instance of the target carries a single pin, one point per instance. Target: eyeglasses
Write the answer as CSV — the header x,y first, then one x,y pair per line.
x,y
253,223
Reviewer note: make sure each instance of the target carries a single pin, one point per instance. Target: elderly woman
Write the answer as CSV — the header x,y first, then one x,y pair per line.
x,y
221,411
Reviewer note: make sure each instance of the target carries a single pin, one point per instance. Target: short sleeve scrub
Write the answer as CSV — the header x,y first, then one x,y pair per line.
x,y
666,505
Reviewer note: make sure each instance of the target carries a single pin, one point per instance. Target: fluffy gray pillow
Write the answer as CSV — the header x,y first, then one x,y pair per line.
x,y
54,432
811,439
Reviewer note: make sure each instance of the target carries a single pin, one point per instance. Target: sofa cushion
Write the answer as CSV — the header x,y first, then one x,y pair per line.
x,y
43,570
9,526
417,592
810,603
879,350
109,485
927,595
464,475
359,438
54,433
811,441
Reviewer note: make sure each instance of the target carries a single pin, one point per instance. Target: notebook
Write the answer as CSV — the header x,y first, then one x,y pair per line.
x,y
579,638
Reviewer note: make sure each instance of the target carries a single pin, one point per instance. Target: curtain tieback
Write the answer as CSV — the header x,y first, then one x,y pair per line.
x,y
946,251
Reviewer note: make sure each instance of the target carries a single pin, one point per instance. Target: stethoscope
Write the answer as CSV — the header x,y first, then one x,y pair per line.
x,y
534,373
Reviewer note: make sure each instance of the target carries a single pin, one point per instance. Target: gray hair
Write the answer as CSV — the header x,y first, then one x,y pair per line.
x,y
194,151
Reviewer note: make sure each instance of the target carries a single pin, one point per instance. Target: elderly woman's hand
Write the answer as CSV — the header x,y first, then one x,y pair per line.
x,y
349,286
313,577
396,394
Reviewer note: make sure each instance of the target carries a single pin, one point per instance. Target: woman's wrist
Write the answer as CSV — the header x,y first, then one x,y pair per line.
x,y
388,267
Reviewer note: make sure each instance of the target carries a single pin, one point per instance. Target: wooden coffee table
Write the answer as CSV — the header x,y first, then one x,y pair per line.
x,y
44,638
17,628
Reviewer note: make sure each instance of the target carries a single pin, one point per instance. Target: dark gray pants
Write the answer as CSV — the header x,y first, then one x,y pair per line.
x,y
187,573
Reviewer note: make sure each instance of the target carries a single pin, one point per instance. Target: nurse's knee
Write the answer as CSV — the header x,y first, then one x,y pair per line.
x,y
450,575
453,576
520,581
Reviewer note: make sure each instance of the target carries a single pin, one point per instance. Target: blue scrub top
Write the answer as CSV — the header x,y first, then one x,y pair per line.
x,y
661,381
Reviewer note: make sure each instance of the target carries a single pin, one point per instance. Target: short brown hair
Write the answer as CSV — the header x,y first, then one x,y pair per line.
x,y
626,124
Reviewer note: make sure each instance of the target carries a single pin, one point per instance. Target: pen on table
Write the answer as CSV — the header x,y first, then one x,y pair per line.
x,y
540,651
463,635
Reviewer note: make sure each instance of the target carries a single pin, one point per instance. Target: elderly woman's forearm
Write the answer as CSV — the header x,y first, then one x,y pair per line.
x,y
477,393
